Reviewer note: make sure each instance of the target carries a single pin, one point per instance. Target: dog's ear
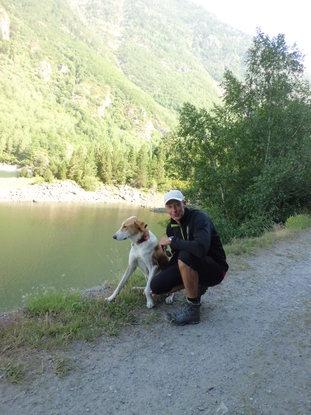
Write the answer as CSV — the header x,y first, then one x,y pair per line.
x,y
141,225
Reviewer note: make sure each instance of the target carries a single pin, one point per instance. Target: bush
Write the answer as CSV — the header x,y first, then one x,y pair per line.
x,y
225,229
48,176
26,172
298,222
254,226
89,183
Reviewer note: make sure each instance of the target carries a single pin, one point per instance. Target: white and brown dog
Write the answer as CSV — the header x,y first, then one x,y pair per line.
x,y
145,253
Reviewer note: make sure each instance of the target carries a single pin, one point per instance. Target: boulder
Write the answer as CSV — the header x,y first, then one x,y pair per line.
x,y
45,70
104,105
4,25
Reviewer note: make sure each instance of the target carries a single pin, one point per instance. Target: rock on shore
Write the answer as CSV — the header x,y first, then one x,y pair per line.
x,y
68,191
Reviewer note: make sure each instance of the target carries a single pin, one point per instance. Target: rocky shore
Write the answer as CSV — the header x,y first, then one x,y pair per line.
x,y
23,190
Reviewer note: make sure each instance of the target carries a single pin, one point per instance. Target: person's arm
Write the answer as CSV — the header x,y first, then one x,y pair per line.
x,y
201,242
166,240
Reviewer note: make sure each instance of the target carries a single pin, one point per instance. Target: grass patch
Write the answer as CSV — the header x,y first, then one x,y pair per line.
x,y
298,222
62,366
13,372
54,319
250,245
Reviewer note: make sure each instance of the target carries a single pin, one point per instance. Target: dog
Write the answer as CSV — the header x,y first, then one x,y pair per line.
x,y
145,253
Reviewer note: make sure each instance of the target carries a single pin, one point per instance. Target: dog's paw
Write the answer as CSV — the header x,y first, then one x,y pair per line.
x,y
150,304
169,299
109,299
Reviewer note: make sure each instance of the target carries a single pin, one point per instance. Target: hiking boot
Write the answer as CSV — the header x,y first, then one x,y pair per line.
x,y
188,314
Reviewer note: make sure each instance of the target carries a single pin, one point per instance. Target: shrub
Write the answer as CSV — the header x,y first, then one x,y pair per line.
x,y
48,176
89,183
298,222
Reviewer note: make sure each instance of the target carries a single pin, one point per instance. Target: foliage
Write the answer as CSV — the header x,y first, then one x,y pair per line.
x,y
298,222
251,156
55,318
53,126
174,51
14,372
70,85
240,246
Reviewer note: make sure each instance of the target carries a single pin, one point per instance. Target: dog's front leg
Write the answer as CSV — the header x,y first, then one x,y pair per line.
x,y
129,271
152,271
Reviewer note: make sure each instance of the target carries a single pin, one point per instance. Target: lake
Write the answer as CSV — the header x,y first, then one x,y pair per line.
x,y
59,246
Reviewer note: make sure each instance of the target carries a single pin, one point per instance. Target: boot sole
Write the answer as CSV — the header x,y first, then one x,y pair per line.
x,y
175,323
184,324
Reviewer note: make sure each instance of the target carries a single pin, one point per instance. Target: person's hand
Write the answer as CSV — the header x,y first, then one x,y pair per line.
x,y
164,241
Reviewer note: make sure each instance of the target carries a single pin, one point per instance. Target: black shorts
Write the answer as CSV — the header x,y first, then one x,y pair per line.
x,y
210,273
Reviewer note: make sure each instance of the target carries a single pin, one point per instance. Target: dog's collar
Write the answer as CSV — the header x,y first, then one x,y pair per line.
x,y
144,238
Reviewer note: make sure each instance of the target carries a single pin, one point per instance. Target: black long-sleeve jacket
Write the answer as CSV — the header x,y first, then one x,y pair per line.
x,y
197,235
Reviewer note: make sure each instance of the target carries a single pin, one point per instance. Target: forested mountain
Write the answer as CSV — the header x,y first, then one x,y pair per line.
x,y
172,49
86,85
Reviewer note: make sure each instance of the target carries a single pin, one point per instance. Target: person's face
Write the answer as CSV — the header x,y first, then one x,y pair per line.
x,y
175,209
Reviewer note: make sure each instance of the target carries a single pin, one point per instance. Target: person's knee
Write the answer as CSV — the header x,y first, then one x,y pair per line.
x,y
183,265
187,260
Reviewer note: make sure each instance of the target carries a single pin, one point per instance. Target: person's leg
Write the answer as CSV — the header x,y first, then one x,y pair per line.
x,y
189,267
167,281
210,273
197,275
190,312
190,279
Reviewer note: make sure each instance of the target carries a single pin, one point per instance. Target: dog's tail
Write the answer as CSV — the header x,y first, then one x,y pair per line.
x,y
160,258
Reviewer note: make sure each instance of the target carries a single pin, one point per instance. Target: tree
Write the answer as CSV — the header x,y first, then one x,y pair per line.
x,y
76,165
157,163
250,157
104,157
141,179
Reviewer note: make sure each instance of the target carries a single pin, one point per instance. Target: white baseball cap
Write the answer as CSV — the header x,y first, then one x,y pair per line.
x,y
173,195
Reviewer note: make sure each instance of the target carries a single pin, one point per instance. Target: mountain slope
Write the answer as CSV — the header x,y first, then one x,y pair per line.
x,y
75,73
172,49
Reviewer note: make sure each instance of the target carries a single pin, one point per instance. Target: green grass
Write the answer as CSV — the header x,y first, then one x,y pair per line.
x,y
62,366
298,222
13,372
250,245
52,320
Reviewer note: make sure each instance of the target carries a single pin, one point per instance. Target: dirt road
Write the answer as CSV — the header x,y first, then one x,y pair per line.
x,y
248,355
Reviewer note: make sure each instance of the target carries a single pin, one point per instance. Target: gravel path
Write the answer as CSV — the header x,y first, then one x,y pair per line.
x,y
248,355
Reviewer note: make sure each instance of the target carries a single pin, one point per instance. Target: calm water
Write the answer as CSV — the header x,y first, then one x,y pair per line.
x,y
62,246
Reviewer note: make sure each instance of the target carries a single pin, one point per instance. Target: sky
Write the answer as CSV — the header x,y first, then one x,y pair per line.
x,y
293,18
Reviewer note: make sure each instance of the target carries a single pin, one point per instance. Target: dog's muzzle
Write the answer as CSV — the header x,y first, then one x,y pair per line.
x,y
119,237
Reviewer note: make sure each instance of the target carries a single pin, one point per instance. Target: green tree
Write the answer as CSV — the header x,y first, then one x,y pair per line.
x,y
157,163
76,165
249,159
141,179
104,158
